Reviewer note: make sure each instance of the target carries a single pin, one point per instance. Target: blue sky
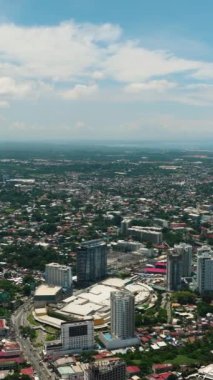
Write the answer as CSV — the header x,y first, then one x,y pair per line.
x,y
96,69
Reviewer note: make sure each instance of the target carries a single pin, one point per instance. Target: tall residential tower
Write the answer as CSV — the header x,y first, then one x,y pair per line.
x,y
122,314
205,272
91,261
174,270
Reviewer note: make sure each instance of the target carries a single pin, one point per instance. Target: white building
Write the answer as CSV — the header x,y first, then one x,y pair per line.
x,y
205,272
122,322
122,314
75,337
149,234
60,275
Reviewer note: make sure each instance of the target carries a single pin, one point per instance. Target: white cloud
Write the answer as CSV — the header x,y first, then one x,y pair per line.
x,y
73,61
157,85
80,91
130,62
59,52
69,51
9,87
4,104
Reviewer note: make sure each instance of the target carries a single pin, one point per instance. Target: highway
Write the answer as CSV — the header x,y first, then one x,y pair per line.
x,y
19,318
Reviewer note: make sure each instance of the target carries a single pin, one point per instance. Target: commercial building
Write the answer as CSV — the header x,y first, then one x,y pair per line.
x,y
115,370
46,294
186,251
91,262
205,272
174,270
75,337
60,275
95,300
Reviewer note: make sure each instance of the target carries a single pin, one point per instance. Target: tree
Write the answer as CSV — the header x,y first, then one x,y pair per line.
x,y
17,376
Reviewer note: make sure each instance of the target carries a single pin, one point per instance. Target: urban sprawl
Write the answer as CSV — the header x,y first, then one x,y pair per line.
x,y
106,263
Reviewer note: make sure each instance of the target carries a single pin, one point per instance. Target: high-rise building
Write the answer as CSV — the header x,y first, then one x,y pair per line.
x,y
174,270
125,225
91,261
186,251
205,272
122,314
60,275
106,371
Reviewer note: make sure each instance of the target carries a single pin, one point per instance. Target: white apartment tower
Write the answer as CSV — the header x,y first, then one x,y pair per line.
x,y
122,314
60,275
205,272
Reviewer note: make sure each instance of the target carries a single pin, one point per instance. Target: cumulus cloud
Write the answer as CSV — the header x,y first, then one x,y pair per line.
x,y
59,52
130,62
8,86
157,85
68,51
80,91
73,61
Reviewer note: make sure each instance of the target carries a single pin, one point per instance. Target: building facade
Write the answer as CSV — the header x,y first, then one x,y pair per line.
x,y
174,270
186,251
205,272
106,371
122,314
60,275
91,262
77,335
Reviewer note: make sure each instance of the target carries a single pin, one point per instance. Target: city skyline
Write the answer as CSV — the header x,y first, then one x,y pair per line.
x,y
85,70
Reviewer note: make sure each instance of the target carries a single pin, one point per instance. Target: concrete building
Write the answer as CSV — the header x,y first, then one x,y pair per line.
x,y
60,275
91,262
205,272
125,224
45,294
122,314
147,234
75,337
122,321
174,270
114,370
186,251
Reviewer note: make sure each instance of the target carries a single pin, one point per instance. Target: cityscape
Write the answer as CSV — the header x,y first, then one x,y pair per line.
x,y
106,190
107,275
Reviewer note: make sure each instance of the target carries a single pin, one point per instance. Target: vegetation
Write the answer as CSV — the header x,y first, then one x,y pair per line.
x,y
17,376
184,297
28,332
195,354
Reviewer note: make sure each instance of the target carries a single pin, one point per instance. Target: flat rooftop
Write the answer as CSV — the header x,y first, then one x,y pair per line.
x,y
95,300
47,290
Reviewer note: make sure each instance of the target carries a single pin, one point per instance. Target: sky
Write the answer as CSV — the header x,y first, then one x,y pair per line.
x,y
106,70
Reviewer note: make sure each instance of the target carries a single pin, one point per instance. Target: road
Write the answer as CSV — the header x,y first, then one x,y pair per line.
x,y
166,304
19,318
